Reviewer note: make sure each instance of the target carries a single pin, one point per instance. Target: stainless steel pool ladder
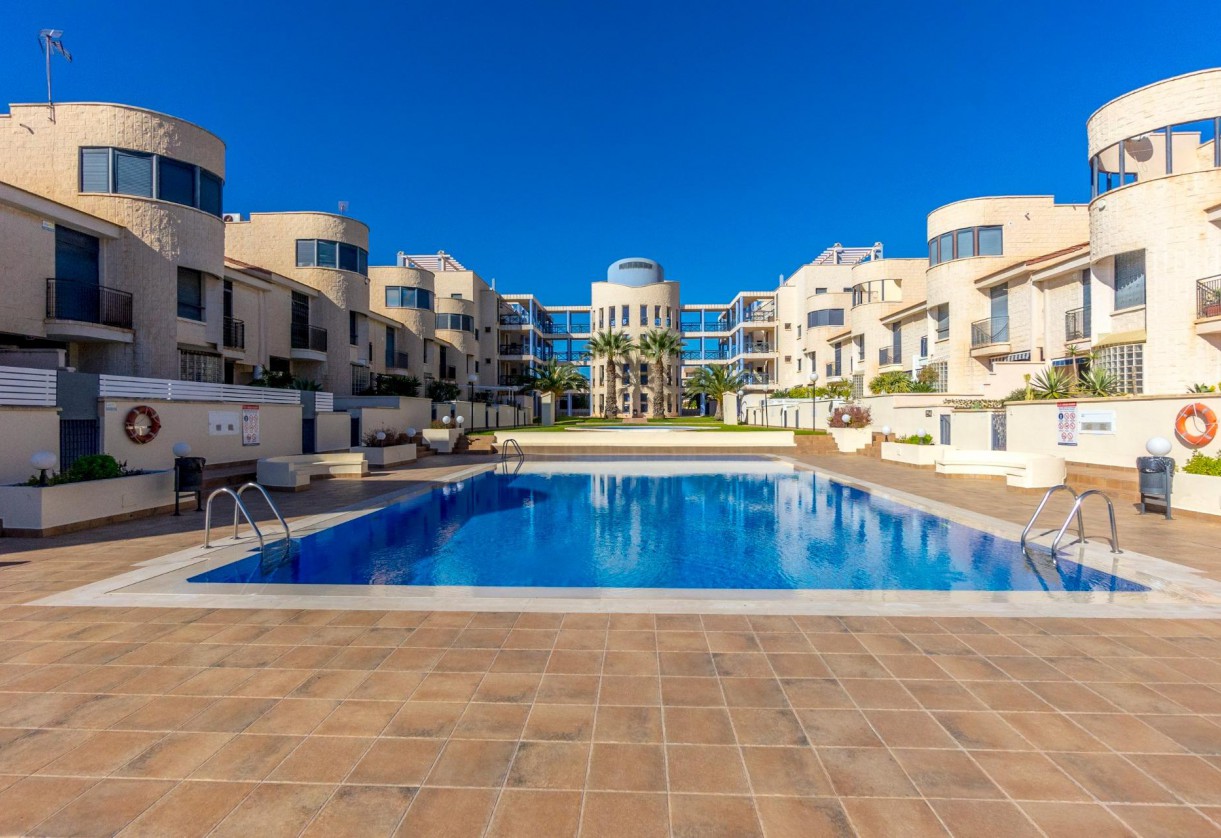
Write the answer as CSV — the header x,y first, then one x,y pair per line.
x,y
239,507
1074,513
517,452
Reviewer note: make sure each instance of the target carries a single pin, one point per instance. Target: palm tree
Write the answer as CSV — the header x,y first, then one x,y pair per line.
x,y
658,347
615,347
556,378
713,382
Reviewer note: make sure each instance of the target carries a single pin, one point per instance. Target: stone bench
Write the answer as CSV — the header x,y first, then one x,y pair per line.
x,y
1025,471
294,473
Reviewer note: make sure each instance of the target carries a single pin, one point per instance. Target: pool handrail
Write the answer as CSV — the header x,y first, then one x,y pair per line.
x,y
1076,510
518,453
239,506
1059,487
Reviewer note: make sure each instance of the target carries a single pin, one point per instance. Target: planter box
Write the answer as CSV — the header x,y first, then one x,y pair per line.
x,y
441,440
925,456
389,455
34,511
851,440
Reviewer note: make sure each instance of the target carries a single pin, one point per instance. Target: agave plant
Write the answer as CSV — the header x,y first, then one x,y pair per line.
x,y
1052,383
1097,381
713,382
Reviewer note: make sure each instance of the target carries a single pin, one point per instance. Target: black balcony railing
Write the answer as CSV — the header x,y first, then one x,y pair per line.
x,y
234,333
889,355
515,349
1208,297
512,380
756,378
1075,325
757,347
88,303
989,331
396,360
305,336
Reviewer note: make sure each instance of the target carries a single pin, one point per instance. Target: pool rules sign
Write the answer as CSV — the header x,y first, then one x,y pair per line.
x,y
250,424
1066,423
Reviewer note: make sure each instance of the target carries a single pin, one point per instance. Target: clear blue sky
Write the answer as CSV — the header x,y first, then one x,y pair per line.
x,y
538,142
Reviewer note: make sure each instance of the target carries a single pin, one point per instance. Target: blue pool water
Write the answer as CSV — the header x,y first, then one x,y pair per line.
x,y
625,524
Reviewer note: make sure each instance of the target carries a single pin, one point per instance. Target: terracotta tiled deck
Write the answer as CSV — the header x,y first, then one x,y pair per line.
x,y
193,722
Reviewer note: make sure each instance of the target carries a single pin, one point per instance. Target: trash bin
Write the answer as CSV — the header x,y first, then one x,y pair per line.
x,y
188,477
1156,481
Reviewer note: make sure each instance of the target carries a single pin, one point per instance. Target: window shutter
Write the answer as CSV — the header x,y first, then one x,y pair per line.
x,y
95,170
133,173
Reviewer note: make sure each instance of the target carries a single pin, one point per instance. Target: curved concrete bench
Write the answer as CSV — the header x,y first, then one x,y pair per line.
x,y
294,472
1026,471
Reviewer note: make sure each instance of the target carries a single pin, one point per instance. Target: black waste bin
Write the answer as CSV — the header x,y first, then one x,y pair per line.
x,y
1156,481
188,477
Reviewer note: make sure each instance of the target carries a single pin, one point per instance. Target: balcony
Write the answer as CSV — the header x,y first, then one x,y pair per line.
x,y
575,356
95,307
1076,327
521,350
757,347
888,356
864,293
1208,306
308,343
515,320
759,317
396,360
756,379
234,333
990,334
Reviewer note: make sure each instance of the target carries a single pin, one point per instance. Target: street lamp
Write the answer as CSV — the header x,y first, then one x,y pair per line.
x,y
44,461
471,379
813,405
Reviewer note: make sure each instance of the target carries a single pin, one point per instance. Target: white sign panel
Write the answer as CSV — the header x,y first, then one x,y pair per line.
x,y
1066,423
223,423
250,424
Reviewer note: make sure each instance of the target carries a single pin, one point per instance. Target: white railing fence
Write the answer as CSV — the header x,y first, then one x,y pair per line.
x,y
128,387
27,387
324,402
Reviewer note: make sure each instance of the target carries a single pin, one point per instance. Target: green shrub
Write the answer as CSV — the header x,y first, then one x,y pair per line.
x,y
89,467
916,439
1018,395
896,381
1200,463
395,385
1053,383
1202,388
442,391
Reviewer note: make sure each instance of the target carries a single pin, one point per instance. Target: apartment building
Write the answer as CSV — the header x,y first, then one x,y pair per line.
x,y
118,258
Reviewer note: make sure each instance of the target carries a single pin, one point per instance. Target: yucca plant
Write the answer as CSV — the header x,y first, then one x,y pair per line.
x,y
1098,382
1052,383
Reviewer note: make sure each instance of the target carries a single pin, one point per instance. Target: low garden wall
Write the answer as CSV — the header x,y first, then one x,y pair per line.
x,y
25,431
39,511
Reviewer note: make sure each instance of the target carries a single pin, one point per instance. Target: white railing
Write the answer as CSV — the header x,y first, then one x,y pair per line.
x,y
128,387
324,402
27,387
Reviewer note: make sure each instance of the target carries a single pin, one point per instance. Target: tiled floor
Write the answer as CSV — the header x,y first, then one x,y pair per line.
x,y
193,722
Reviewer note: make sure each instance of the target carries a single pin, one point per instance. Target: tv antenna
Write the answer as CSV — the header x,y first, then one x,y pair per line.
x,y
51,41
343,207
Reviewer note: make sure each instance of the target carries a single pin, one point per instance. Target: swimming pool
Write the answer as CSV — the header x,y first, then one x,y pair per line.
x,y
658,524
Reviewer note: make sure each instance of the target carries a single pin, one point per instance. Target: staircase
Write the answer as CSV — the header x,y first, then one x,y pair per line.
x,y
815,444
477,445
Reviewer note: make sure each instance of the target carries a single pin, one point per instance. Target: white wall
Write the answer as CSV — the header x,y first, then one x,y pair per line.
x,y
25,431
332,432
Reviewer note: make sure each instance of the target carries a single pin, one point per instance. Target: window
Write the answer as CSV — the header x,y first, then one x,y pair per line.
x,y
644,315
323,253
627,318
190,297
124,172
133,173
644,375
820,290
1129,279
933,252
176,181
799,331
200,366
601,318
657,315
941,314
456,322
353,328
825,317
965,243
391,359
1087,303
924,346
942,369
991,241
1125,361
300,309
837,367
398,296
896,343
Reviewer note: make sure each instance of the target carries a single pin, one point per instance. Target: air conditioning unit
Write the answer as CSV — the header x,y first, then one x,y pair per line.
x,y
231,217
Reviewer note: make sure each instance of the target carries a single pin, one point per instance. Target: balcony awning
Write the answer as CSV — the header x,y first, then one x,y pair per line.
x,y
1116,338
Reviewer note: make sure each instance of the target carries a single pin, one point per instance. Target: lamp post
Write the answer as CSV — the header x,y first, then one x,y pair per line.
x,y
44,461
813,402
472,379
741,406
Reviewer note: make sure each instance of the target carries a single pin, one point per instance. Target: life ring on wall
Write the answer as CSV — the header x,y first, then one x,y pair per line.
x,y
1205,415
142,424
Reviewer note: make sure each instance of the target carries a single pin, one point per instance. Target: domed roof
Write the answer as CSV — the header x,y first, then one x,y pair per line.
x,y
635,271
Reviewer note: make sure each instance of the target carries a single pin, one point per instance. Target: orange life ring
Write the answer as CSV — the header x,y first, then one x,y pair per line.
x,y
1204,414
140,432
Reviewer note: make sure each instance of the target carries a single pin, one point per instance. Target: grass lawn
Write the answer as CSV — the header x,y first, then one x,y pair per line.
x,y
704,423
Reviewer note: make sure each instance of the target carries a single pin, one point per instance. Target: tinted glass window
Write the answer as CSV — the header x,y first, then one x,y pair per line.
x,y
95,170
990,241
947,247
328,256
349,260
175,181
190,294
966,243
76,256
305,253
210,192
